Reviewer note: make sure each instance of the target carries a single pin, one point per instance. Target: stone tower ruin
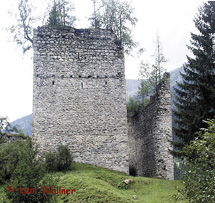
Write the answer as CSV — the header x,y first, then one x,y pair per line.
x,y
79,100
79,96
150,134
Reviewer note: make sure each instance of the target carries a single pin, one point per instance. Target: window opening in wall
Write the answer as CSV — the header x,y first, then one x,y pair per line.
x,y
82,85
89,76
79,76
52,82
105,82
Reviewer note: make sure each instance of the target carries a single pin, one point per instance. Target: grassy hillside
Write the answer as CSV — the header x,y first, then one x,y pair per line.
x,y
94,184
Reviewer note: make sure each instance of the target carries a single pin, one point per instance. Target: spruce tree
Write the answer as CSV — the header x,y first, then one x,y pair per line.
x,y
60,14
54,16
195,95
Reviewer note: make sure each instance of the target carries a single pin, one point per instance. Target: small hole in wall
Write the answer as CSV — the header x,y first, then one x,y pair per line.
x,y
89,76
105,82
71,76
52,82
79,76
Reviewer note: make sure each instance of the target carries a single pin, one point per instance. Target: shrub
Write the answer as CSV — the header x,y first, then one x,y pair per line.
x,y
9,158
133,106
7,130
20,167
60,160
64,158
123,186
199,173
38,196
51,162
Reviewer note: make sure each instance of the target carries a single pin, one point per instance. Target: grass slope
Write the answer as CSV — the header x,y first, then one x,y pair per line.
x,y
94,184
99,185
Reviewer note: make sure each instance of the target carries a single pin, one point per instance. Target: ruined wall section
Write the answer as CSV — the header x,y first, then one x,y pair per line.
x,y
149,134
79,95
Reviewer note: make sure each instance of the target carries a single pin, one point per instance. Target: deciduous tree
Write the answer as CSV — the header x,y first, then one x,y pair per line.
x,y
151,74
198,175
59,14
118,17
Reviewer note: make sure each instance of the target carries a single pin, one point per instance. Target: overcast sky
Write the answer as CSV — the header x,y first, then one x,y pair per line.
x,y
172,19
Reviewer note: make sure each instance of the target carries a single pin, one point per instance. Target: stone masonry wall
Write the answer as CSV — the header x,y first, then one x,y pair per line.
x,y
149,134
79,95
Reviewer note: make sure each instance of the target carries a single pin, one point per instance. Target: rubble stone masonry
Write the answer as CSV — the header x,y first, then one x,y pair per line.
x,y
79,100
150,133
79,96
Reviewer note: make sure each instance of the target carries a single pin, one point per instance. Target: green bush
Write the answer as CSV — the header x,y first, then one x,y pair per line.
x,y
21,168
64,158
133,106
22,183
51,162
199,173
9,158
60,160
123,186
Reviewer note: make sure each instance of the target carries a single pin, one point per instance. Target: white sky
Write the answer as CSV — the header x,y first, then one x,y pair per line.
x,y
172,19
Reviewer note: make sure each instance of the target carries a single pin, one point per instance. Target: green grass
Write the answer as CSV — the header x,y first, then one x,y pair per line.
x,y
99,185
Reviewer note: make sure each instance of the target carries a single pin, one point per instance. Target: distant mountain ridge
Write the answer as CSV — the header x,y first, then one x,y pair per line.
x,y
25,123
132,85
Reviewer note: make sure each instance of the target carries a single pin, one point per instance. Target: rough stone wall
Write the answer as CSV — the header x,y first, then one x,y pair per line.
x,y
79,95
149,134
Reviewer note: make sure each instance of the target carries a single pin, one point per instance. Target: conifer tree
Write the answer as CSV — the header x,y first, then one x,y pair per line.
x,y
60,14
195,96
54,16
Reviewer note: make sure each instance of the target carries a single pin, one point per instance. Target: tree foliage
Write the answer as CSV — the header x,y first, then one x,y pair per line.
x,y
151,74
20,167
118,17
196,94
60,160
22,31
147,82
160,60
7,129
133,106
59,14
95,18
199,173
